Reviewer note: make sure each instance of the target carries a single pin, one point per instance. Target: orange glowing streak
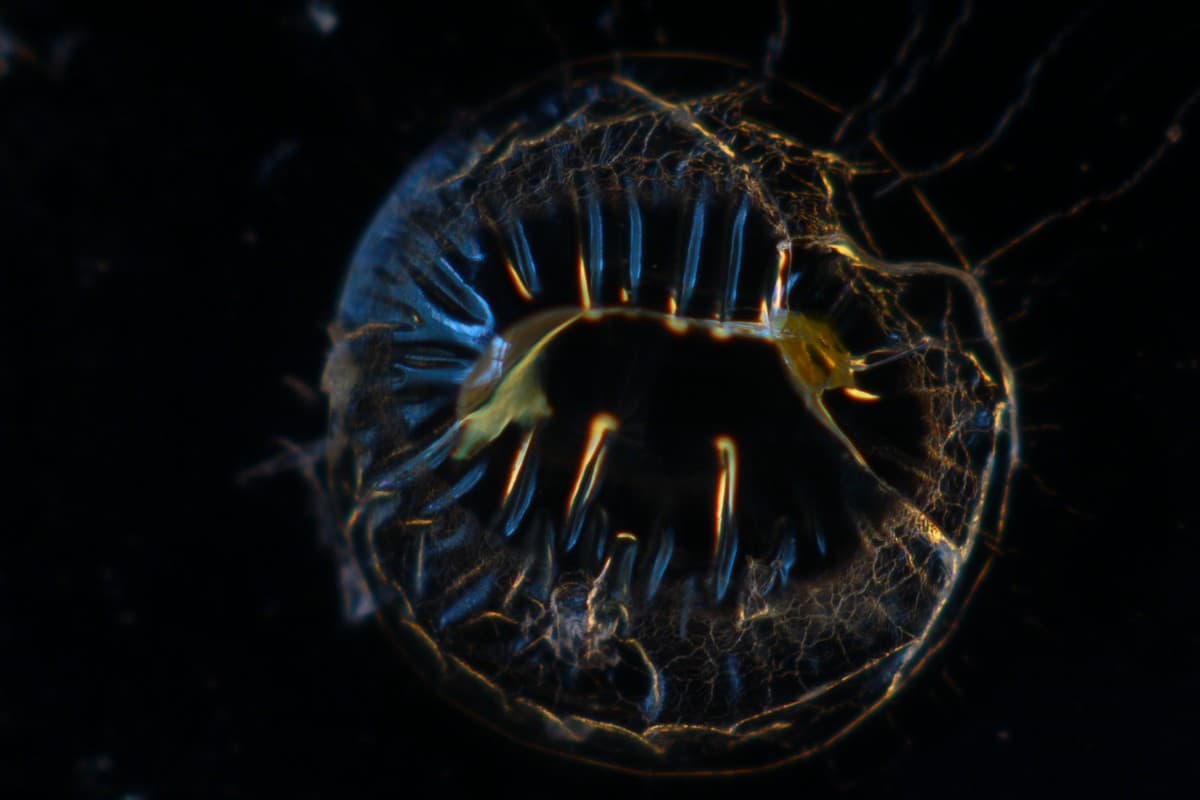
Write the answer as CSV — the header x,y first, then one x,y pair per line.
x,y
781,271
585,296
518,463
726,487
677,326
593,456
522,289
624,294
858,394
672,306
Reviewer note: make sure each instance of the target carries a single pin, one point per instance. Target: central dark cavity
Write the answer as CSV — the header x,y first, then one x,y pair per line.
x,y
673,394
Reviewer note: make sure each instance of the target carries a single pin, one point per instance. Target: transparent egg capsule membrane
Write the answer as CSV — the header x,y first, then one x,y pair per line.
x,y
640,449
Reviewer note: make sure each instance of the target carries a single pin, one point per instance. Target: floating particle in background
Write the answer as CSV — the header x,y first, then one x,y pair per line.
x,y
322,16
640,446
12,51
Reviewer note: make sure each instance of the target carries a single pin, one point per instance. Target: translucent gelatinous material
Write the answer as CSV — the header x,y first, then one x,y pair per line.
x,y
642,455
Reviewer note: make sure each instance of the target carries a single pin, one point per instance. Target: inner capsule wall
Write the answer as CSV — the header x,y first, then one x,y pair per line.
x,y
640,457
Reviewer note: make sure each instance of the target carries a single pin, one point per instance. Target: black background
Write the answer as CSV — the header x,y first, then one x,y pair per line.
x,y
179,194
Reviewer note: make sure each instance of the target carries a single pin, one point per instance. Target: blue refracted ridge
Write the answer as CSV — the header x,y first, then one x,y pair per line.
x,y
635,243
819,538
523,256
438,323
517,503
445,544
429,458
691,261
452,495
435,357
573,527
403,233
381,511
415,414
405,376
545,570
653,703
430,311
417,567
625,555
464,296
468,246
792,280
658,567
785,559
602,535
733,677
427,293
736,246
725,558
594,535
595,245
471,599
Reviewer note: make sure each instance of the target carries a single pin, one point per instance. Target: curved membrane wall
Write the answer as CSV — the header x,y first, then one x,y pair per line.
x,y
643,458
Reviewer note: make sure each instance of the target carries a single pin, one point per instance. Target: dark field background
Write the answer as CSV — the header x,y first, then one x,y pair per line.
x,y
179,195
